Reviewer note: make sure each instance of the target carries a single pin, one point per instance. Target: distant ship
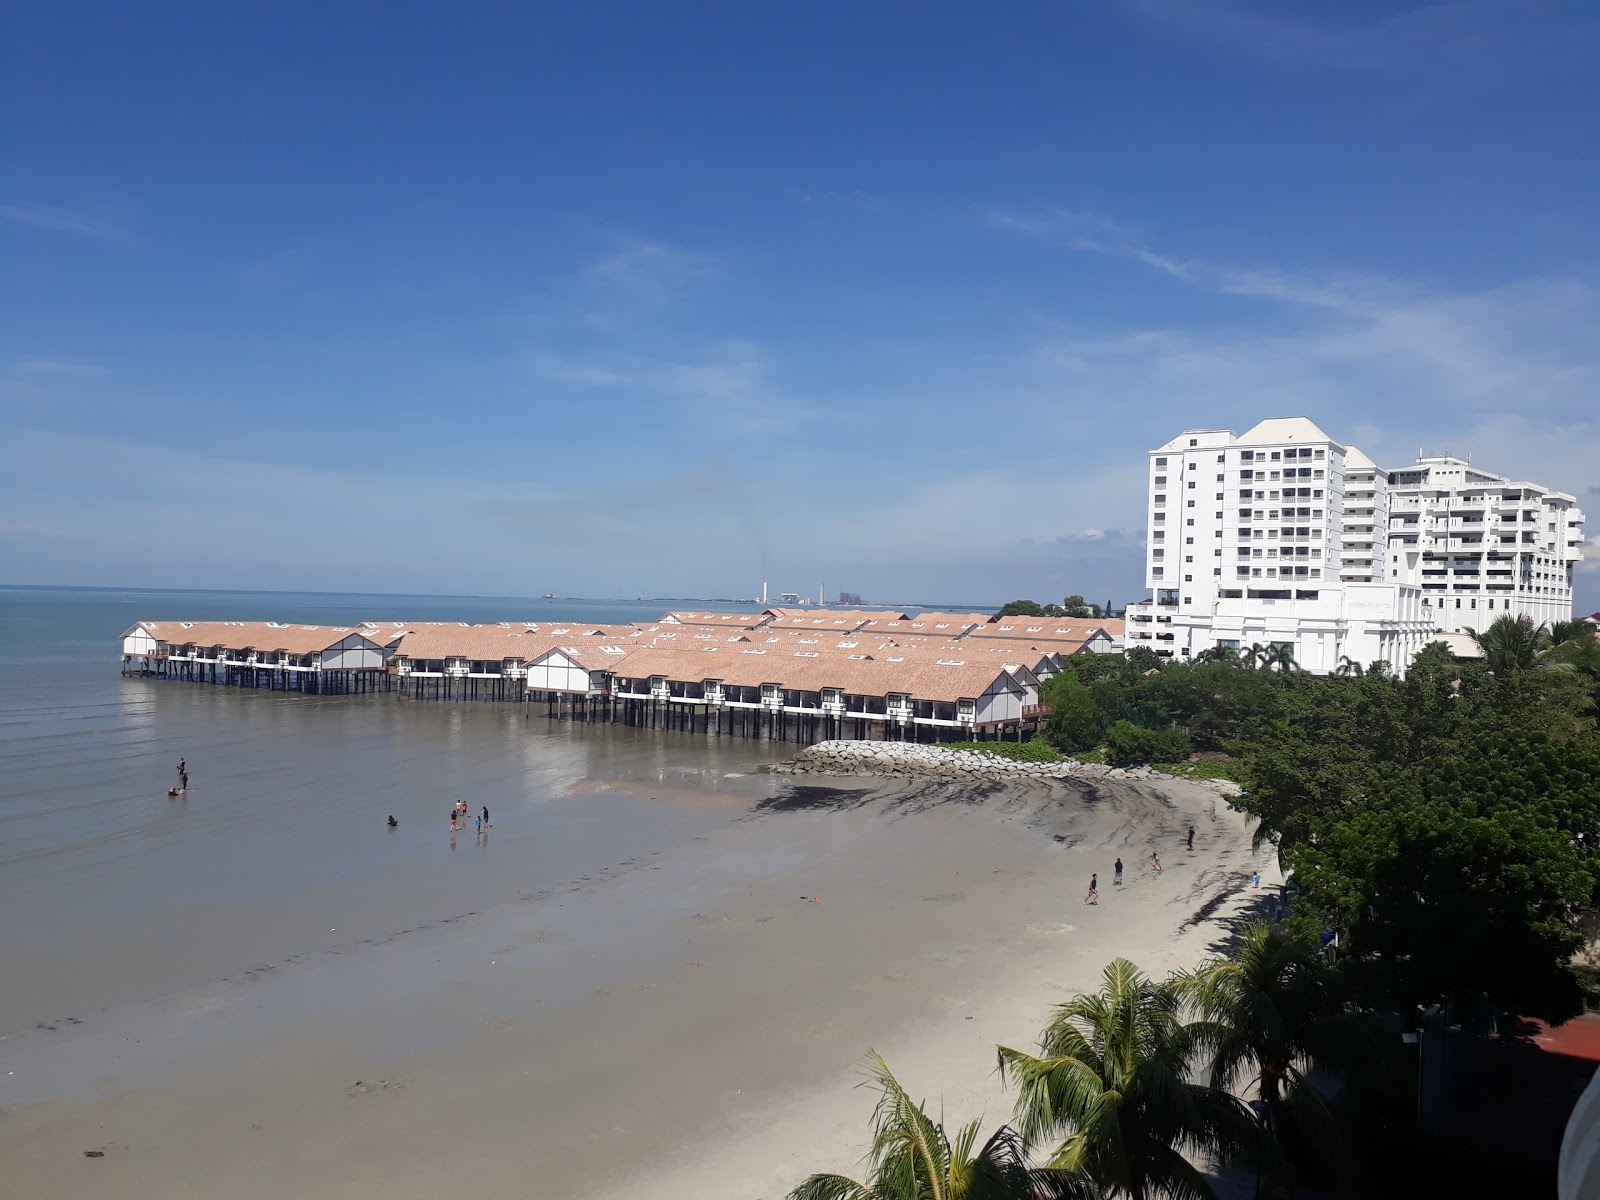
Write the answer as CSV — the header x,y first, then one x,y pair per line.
x,y
549,595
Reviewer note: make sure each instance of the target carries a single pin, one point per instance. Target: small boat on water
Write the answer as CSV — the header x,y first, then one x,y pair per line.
x,y
549,595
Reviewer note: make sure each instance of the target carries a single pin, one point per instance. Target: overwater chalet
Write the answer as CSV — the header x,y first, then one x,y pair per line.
x,y
939,625
269,654
443,661
1071,635
718,620
826,619
807,693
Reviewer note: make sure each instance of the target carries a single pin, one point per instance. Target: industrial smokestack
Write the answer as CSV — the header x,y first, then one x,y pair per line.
x,y
763,591
822,597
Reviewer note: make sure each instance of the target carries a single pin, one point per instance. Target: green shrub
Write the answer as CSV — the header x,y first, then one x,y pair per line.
x,y
1037,750
1128,743
1206,766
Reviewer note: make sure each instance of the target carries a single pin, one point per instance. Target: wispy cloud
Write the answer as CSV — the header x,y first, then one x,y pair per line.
x,y
54,367
728,390
1474,42
61,220
649,271
1087,231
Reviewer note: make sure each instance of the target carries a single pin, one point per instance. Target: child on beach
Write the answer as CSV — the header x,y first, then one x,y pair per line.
x,y
1094,890
1155,863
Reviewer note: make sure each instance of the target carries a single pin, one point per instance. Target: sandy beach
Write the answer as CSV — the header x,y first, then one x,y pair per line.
x,y
684,1023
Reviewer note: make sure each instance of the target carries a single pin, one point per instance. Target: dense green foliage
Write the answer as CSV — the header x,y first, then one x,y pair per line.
x,y
1130,743
1035,750
1072,606
1447,824
914,1158
1110,1093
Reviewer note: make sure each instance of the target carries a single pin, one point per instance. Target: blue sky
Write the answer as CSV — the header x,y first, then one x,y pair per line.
x,y
612,298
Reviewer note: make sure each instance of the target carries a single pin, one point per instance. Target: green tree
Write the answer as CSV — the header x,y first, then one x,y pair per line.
x,y
1127,743
913,1158
1020,608
1562,632
1075,606
1269,1011
1466,878
1348,667
1111,1081
1074,722
1512,644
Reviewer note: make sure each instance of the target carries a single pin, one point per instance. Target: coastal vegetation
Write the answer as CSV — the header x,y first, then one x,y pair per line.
x,y
1072,606
1441,838
1036,749
1134,1090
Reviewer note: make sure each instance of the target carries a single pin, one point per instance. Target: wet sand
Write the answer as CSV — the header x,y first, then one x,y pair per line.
x,y
686,1022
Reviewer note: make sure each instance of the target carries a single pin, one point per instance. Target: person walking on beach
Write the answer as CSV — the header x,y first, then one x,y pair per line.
x,y
1094,890
486,816
1116,880
479,820
1191,837
455,814
1155,863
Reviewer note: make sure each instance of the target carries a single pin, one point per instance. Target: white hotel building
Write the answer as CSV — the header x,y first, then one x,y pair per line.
x,y
1480,545
1283,536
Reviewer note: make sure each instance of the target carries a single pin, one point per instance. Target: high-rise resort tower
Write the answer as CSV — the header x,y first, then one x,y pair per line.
x,y
1275,537
1481,545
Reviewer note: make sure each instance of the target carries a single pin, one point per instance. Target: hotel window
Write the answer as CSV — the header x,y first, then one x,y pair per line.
x,y
1161,462
1191,485
1191,504
1189,558
1188,578
1160,499
1161,481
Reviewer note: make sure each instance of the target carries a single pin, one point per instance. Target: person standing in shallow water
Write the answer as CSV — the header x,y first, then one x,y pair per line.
x,y
1116,880
486,816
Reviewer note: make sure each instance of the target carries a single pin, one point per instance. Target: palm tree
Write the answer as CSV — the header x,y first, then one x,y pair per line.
x,y
1349,667
1568,631
1268,1012
1218,654
1512,644
1256,656
1280,655
1112,1076
912,1158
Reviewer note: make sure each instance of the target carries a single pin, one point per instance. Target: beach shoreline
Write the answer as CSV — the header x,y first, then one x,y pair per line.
x,y
692,1025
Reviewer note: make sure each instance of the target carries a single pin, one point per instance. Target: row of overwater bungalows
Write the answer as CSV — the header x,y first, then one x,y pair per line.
x,y
799,674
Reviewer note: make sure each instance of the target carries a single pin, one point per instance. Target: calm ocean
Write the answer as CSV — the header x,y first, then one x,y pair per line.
x,y
114,893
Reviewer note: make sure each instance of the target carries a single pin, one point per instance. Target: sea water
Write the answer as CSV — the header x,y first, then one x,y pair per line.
x,y
112,892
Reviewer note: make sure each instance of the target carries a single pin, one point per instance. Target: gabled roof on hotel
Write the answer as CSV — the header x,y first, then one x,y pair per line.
x,y
810,671
1283,429
249,635
724,620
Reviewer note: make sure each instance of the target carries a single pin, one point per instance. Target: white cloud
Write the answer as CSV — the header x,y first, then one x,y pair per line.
x,y
728,390
1087,231
61,220
47,366
651,272
1470,42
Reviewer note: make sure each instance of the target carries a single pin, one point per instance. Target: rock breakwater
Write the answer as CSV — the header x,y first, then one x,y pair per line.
x,y
908,759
